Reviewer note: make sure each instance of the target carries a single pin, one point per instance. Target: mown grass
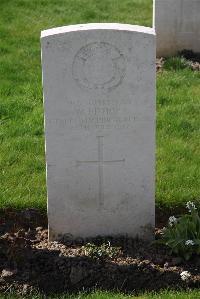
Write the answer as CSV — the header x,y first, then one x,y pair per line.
x,y
178,133
22,162
109,295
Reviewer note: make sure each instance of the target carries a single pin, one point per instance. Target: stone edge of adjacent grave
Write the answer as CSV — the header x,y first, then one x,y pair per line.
x,y
98,26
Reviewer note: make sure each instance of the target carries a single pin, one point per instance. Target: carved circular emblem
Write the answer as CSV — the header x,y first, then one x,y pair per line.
x,y
98,65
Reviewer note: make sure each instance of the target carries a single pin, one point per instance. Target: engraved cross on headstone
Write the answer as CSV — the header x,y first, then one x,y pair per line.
x,y
100,162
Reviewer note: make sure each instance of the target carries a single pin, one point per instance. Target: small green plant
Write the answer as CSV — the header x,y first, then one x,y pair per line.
x,y
182,235
103,251
176,63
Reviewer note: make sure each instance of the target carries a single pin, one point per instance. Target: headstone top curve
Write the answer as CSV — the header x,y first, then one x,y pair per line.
x,y
97,26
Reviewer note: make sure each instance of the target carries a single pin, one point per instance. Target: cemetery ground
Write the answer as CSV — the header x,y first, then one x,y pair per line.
x,y
28,262
108,295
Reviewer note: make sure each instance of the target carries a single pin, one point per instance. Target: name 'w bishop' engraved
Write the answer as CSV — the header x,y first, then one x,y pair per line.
x,y
100,162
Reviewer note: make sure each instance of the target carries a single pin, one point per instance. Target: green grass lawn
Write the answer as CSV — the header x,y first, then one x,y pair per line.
x,y
22,162
178,135
164,295
108,295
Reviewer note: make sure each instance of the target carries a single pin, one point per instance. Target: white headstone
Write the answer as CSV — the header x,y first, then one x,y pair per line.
x,y
99,100
177,24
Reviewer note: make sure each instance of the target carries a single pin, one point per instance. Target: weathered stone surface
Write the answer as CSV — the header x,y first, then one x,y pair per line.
x,y
99,99
177,24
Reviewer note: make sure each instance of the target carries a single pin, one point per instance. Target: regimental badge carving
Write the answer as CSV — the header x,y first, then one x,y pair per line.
x,y
99,66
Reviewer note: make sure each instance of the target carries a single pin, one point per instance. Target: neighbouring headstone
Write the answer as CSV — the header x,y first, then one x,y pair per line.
x,y
99,100
177,25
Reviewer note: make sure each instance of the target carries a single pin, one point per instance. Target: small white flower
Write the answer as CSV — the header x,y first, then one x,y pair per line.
x,y
189,242
185,275
172,220
190,206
